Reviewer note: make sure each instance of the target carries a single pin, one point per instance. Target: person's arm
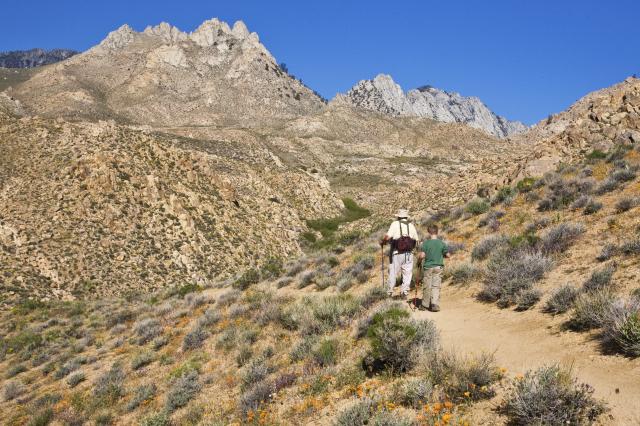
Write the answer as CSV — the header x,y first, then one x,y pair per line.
x,y
387,236
445,252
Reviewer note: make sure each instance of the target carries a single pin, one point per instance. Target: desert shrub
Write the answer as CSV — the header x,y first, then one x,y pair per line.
x,y
194,338
580,202
158,419
477,207
623,175
326,353
560,237
622,325
391,418
412,392
626,204
15,369
537,225
42,417
247,279
272,268
608,250
505,193
599,279
590,310
463,273
283,282
373,296
561,192
303,348
333,261
256,371
358,413
182,391
526,184
487,245
596,154
394,336
454,247
195,300
67,367
294,269
491,219
76,378
142,359
307,279
551,396
527,298
592,207
147,329
141,394
109,386
345,283
510,273
630,247
325,314
12,389
324,283
462,377
228,298
183,290
252,399
607,185
561,300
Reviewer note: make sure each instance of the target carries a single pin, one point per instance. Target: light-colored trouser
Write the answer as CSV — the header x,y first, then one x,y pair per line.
x,y
401,262
431,286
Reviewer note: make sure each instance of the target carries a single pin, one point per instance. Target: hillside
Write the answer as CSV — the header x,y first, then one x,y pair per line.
x,y
34,57
383,95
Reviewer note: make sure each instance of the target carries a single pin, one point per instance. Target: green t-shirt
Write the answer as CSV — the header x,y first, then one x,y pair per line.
x,y
434,250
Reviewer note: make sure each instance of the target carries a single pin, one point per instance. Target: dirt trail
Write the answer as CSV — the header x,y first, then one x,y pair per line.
x,y
525,340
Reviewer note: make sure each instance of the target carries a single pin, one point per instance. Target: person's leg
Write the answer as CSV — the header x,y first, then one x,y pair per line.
x,y
393,272
426,288
436,283
407,271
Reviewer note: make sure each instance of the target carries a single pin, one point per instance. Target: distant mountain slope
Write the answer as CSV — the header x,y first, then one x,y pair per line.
x,y
33,57
384,95
216,75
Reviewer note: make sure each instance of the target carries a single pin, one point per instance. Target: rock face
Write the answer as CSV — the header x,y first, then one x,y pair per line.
x,y
34,57
216,75
383,95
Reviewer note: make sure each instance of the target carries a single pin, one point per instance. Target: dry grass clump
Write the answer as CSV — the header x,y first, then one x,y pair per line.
x,y
561,300
12,389
142,359
412,392
551,396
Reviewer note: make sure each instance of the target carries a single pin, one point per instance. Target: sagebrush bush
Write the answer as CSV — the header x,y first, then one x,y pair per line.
x,y
326,352
561,237
183,390
307,279
156,419
373,296
345,283
623,175
607,185
626,204
109,385
527,299
463,273
561,193
599,279
631,247
76,378
487,245
194,338
412,392
303,348
512,272
228,298
147,329
504,194
256,371
15,369
12,389
247,279
590,309
141,394
608,250
551,396
580,202
252,399
284,281
561,300
142,359
358,413
622,325
592,207
67,367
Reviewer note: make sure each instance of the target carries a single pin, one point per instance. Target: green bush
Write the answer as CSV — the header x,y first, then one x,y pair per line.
x,y
596,154
250,277
505,193
551,396
326,353
142,359
76,378
157,419
272,268
477,207
526,184
142,393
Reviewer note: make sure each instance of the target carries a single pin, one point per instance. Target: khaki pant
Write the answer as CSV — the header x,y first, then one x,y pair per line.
x,y
401,262
431,284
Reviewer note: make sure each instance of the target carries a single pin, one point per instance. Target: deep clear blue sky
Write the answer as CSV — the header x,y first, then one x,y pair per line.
x,y
525,59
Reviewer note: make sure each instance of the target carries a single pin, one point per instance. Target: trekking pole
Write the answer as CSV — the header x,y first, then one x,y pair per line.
x,y
382,263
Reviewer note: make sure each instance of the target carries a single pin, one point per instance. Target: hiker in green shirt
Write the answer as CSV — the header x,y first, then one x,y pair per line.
x,y
432,254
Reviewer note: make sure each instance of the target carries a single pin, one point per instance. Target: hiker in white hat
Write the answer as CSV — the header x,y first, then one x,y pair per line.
x,y
403,237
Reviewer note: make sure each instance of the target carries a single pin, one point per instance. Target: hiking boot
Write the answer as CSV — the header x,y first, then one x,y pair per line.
x,y
434,308
422,308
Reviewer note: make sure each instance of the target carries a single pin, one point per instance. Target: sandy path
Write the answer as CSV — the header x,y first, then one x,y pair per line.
x,y
526,340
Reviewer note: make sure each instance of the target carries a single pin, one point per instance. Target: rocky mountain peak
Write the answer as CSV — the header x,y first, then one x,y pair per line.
x,y
118,38
167,32
383,94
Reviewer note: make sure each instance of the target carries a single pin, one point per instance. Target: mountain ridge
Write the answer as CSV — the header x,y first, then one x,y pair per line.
x,y
34,57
